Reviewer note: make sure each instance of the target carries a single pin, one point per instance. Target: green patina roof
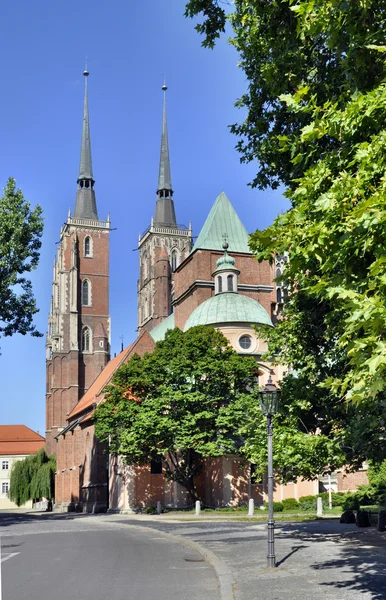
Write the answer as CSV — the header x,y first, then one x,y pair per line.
x,y
226,263
221,220
158,333
228,307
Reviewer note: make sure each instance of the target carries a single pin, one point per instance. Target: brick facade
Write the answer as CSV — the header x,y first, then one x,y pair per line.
x,y
78,337
82,461
193,282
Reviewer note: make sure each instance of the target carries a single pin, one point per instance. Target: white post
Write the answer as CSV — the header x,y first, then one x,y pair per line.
x,y
198,507
159,508
319,507
329,492
251,507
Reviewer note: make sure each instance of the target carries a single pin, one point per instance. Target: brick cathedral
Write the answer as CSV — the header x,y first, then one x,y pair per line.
x,y
215,281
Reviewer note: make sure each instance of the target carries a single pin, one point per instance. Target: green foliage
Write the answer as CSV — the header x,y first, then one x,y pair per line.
x,y
20,233
351,502
277,506
185,401
307,502
316,107
375,491
290,504
33,478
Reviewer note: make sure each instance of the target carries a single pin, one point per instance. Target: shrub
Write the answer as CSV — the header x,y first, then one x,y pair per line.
x,y
307,502
338,498
351,502
150,510
290,504
277,506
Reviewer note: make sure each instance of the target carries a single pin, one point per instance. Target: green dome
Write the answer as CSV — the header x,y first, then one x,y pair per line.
x,y
228,307
226,263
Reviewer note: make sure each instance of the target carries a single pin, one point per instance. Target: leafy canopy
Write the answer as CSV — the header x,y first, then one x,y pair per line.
x,y
183,402
20,232
316,108
33,478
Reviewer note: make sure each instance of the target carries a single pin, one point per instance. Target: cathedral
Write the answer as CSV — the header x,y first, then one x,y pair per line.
x,y
214,281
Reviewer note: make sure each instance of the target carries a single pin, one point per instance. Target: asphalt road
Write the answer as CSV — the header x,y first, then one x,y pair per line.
x,y
85,559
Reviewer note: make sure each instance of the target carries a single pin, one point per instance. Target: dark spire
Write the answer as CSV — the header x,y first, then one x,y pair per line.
x,y
85,206
164,212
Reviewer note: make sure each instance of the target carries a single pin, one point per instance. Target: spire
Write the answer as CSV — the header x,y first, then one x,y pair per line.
x,y
164,212
85,206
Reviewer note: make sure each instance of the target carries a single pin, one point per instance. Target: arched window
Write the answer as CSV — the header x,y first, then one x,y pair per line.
x,y
219,282
86,339
87,246
279,298
174,261
144,267
86,292
230,283
278,273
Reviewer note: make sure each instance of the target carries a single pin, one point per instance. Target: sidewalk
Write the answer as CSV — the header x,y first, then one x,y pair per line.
x,y
315,559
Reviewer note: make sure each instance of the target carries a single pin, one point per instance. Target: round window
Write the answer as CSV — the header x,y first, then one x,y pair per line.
x,y
245,342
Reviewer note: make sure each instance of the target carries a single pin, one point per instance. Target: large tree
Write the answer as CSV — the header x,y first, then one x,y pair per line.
x,y
20,232
33,478
194,397
180,403
316,108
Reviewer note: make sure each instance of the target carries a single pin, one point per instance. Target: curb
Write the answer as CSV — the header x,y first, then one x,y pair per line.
x,y
226,581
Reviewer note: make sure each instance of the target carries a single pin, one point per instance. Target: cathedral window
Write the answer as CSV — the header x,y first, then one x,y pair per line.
x,y
219,283
279,298
174,261
230,283
245,342
86,339
86,292
87,247
156,465
145,266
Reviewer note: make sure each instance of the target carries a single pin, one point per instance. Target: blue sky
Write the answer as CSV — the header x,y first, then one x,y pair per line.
x,y
129,46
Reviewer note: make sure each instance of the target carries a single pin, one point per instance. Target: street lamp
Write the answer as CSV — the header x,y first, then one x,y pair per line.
x,y
269,400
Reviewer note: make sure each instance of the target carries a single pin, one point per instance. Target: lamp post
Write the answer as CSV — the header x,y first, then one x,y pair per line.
x,y
269,400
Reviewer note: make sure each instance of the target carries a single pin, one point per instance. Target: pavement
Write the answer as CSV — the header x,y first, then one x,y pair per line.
x,y
315,559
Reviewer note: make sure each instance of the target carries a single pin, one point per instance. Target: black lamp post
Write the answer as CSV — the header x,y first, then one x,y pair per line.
x,y
269,400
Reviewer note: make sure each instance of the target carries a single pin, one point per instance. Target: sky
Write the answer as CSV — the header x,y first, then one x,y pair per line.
x,y
129,46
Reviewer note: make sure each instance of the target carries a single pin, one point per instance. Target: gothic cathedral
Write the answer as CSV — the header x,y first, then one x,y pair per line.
x,y
78,337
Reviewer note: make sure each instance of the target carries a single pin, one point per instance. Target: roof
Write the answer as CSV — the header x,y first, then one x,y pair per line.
x,y
100,383
19,440
228,307
85,203
91,397
158,333
221,220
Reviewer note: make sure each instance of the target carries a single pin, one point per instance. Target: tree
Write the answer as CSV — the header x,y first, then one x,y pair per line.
x,y
196,398
20,232
315,114
33,478
181,403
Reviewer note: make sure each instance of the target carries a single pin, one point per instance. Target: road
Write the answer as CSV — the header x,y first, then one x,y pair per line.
x,y
88,559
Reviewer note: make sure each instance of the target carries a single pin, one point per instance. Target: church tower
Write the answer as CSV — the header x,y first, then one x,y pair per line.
x,y
162,247
78,336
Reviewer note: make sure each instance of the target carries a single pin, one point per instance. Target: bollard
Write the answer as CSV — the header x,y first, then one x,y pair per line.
x,y
251,507
319,507
198,507
159,508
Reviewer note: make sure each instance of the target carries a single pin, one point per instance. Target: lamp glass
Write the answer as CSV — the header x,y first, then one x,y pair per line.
x,y
269,401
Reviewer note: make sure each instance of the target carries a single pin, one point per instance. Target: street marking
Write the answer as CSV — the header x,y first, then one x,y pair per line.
x,y
7,557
